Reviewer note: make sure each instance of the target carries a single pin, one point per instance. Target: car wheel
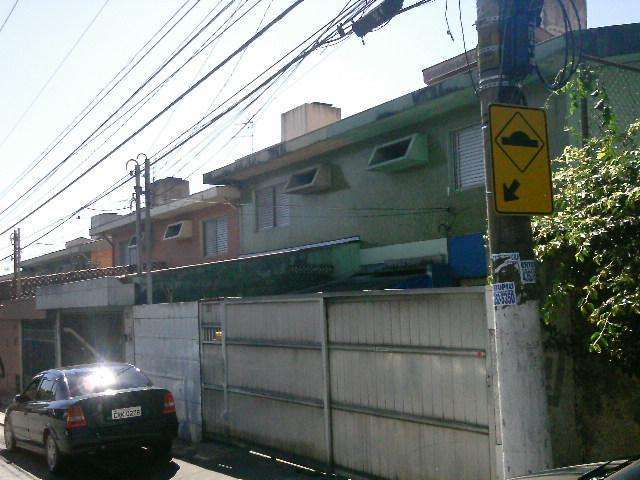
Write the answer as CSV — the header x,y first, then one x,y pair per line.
x,y
9,438
54,458
162,452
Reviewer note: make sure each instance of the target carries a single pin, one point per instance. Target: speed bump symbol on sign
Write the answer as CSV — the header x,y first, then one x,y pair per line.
x,y
520,160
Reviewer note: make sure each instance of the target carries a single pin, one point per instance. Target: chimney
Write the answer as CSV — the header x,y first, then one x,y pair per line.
x,y
168,189
307,118
553,20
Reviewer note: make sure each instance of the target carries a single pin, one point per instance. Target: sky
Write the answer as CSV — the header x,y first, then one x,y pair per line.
x,y
56,56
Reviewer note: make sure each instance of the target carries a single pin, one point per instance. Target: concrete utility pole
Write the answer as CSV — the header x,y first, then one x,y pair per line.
x,y
137,193
522,443
17,280
147,226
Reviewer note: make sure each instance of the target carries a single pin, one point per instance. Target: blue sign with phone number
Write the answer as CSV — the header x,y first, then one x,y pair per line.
x,y
504,294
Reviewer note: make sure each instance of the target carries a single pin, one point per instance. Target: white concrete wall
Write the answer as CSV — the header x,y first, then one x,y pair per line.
x,y
97,292
166,348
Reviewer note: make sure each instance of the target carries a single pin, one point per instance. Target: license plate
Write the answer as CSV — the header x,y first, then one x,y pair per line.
x,y
130,412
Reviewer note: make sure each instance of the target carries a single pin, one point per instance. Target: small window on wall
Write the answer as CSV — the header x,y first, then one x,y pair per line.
x,y
272,207
216,237
211,334
469,157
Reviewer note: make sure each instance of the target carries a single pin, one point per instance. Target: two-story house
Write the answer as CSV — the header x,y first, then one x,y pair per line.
x,y
186,229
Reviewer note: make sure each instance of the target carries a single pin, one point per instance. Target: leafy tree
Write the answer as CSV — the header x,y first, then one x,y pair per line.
x,y
590,247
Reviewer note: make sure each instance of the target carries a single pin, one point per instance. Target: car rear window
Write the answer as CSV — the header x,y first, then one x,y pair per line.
x,y
103,379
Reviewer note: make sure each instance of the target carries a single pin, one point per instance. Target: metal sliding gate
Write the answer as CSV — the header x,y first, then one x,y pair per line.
x,y
393,385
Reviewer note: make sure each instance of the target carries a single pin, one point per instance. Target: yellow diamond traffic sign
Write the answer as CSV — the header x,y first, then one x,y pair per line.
x,y
520,160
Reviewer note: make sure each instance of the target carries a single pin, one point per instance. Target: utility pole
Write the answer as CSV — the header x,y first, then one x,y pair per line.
x,y
520,432
147,226
137,193
17,280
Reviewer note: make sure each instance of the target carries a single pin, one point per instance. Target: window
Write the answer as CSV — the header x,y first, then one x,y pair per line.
x,y
29,393
216,237
45,392
132,251
211,334
469,157
128,252
60,390
272,207
100,379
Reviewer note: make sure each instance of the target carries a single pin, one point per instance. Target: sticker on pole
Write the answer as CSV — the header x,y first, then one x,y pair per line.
x,y
504,294
520,160
528,271
501,261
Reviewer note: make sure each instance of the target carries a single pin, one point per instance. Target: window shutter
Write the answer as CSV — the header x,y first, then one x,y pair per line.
x,y
469,157
210,246
283,215
133,256
264,208
222,236
123,253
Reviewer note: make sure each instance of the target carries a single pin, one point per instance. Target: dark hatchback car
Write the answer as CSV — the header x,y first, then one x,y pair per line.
x,y
90,408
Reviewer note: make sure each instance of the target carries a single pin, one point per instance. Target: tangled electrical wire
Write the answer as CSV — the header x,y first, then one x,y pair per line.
x,y
248,95
573,49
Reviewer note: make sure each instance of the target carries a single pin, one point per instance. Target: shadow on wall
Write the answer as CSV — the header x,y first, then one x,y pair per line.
x,y
594,409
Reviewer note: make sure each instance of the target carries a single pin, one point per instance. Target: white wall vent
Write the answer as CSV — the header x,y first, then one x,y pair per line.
x,y
310,180
399,154
178,230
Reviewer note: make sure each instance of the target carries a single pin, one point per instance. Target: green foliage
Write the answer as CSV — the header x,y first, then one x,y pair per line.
x,y
592,242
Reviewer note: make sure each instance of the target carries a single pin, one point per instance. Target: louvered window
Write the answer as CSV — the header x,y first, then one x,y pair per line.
x,y
469,157
272,207
265,208
283,216
216,237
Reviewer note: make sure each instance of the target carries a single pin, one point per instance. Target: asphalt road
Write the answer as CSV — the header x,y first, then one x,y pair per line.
x,y
216,463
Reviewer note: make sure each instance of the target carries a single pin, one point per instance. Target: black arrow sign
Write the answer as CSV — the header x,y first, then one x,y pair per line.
x,y
510,191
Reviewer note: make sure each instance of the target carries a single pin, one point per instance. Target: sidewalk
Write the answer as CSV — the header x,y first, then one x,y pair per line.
x,y
227,461
244,463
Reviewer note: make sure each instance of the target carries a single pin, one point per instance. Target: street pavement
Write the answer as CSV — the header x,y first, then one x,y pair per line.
x,y
205,462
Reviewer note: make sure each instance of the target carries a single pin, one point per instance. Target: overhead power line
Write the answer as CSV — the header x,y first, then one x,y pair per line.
x,y
9,15
99,97
53,74
319,42
140,103
279,17
96,131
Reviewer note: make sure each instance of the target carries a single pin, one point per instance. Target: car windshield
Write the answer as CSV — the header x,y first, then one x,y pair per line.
x,y
102,379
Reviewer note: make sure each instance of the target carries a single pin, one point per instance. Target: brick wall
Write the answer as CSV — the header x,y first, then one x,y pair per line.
x,y
102,258
190,251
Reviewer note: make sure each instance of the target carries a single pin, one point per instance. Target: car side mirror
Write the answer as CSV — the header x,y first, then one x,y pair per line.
x,y
20,398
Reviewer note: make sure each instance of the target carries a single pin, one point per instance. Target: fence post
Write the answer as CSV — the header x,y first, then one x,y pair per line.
x,y
225,364
326,366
